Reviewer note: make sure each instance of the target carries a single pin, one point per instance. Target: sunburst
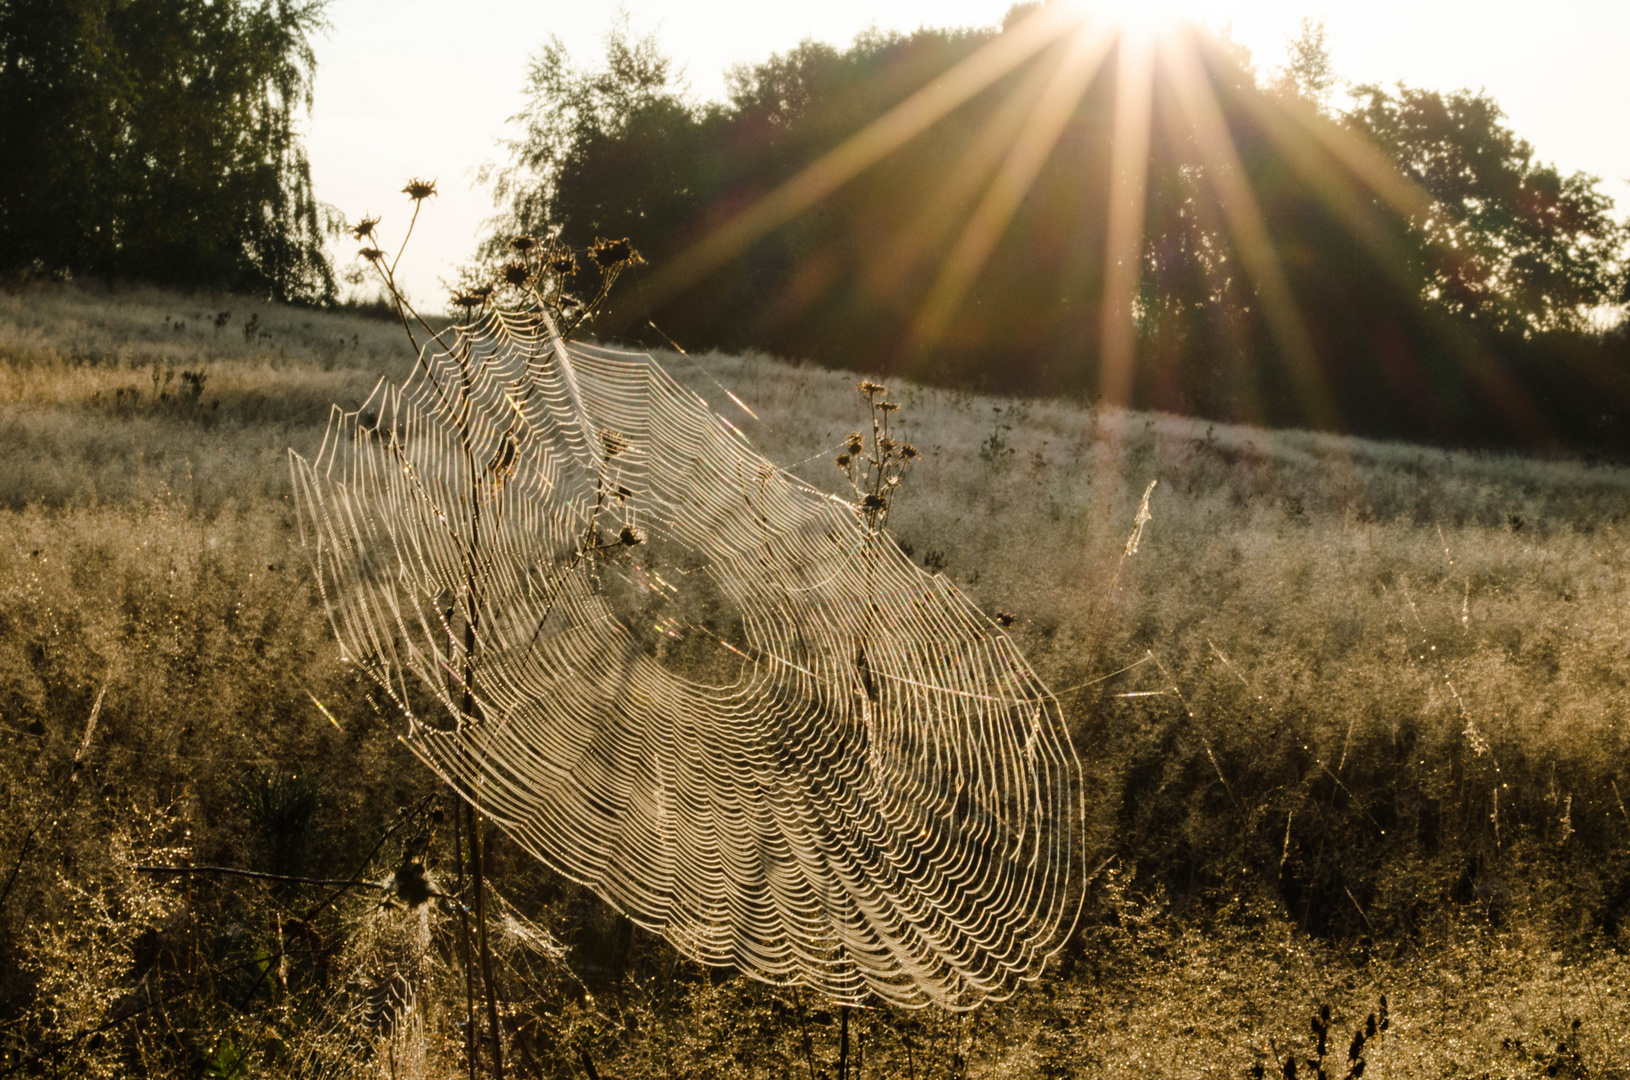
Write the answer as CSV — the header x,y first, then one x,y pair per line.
x,y
1151,50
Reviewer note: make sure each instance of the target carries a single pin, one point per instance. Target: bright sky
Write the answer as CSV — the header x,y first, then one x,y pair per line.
x,y
421,87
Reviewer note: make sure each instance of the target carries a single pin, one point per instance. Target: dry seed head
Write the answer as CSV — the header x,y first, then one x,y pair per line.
x,y
516,274
631,536
843,461
481,292
523,244
610,254
564,264
869,388
364,229
419,190
467,301
372,254
612,442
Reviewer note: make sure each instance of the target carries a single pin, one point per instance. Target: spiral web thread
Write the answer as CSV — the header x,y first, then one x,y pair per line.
x,y
691,681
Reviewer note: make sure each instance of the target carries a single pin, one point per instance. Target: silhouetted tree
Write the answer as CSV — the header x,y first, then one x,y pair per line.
x,y
1439,323
1507,241
155,139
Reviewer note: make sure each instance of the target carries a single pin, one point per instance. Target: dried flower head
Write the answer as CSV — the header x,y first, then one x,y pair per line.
x,y
909,452
564,264
611,254
873,502
372,254
869,388
419,190
523,244
843,461
856,444
364,229
888,406
516,274
631,536
612,442
481,292
467,301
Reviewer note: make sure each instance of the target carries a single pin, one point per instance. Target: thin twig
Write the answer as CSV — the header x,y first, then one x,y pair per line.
x,y
234,871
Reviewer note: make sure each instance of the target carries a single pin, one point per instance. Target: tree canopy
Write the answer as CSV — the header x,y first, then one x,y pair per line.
x,y
1279,280
155,139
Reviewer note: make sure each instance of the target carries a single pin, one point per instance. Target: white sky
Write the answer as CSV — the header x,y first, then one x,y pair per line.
x,y
421,87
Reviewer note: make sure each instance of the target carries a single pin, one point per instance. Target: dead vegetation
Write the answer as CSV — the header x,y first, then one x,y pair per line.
x,y
1354,716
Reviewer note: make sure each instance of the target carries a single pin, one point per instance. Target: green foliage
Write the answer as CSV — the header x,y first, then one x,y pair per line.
x,y
160,143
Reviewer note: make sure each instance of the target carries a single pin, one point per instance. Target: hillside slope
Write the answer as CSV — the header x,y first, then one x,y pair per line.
x,y
1355,715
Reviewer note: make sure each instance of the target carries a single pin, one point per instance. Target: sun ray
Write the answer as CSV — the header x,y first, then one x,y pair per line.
x,y
1025,159
1306,140
861,150
1128,196
912,244
1246,226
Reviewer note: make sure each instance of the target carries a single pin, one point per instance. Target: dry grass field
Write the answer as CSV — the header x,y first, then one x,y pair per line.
x,y
1355,716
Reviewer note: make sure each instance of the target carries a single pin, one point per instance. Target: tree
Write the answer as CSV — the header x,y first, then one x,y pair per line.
x,y
1276,285
1308,72
155,139
576,128
1508,242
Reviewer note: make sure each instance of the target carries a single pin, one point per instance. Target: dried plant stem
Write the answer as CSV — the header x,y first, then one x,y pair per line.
x,y
470,1052
843,1042
234,871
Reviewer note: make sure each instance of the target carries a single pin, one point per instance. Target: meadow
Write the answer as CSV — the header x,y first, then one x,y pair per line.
x,y
1355,719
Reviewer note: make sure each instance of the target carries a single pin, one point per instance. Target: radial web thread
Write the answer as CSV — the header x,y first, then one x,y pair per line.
x,y
691,681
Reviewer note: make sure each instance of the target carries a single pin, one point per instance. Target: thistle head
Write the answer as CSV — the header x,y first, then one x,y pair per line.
x,y
419,190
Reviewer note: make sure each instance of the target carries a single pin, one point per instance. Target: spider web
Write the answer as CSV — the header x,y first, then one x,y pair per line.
x,y
691,681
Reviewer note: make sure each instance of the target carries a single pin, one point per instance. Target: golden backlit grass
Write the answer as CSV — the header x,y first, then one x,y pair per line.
x,y
1354,714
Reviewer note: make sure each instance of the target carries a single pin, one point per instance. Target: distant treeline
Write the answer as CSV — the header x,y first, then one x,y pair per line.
x,y
155,140
1465,308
